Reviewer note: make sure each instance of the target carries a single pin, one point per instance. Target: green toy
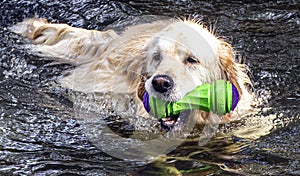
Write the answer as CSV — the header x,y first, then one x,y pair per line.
x,y
220,98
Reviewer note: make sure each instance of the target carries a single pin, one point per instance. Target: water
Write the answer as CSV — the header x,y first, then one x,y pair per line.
x,y
39,134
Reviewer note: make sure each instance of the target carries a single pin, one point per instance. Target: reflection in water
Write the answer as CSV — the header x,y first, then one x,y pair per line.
x,y
39,131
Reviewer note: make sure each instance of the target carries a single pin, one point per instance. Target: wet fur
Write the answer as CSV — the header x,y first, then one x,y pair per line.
x,y
126,63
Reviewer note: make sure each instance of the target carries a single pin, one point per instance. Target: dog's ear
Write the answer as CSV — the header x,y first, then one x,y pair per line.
x,y
234,72
136,76
141,88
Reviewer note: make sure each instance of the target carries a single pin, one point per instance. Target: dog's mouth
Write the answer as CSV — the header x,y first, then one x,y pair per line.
x,y
169,122
166,123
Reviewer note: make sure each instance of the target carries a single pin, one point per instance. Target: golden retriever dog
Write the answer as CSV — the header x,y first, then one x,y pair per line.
x,y
167,59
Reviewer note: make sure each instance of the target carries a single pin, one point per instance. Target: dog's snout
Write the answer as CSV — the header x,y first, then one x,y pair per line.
x,y
162,83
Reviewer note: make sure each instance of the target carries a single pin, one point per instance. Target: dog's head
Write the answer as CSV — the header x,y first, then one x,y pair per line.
x,y
185,55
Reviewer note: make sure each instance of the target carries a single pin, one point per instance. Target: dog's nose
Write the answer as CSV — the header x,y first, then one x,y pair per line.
x,y
162,83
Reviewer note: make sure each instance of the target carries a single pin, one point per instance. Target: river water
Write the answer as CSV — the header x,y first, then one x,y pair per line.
x,y
39,134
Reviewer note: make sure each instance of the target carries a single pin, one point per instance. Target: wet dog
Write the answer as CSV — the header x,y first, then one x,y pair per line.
x,y
167,59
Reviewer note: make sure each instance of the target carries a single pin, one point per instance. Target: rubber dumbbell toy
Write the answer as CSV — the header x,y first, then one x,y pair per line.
x,y
220,97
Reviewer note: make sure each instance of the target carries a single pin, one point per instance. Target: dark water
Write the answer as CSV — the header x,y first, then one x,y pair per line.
x,y
39,136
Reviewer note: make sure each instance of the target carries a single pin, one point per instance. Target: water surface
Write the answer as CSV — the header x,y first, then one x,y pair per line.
x,y
39,134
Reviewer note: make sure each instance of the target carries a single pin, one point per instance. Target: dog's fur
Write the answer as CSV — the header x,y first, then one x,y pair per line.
x,y
184,50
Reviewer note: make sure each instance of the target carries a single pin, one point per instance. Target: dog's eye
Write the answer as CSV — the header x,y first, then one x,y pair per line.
x,y
156,57
191,60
